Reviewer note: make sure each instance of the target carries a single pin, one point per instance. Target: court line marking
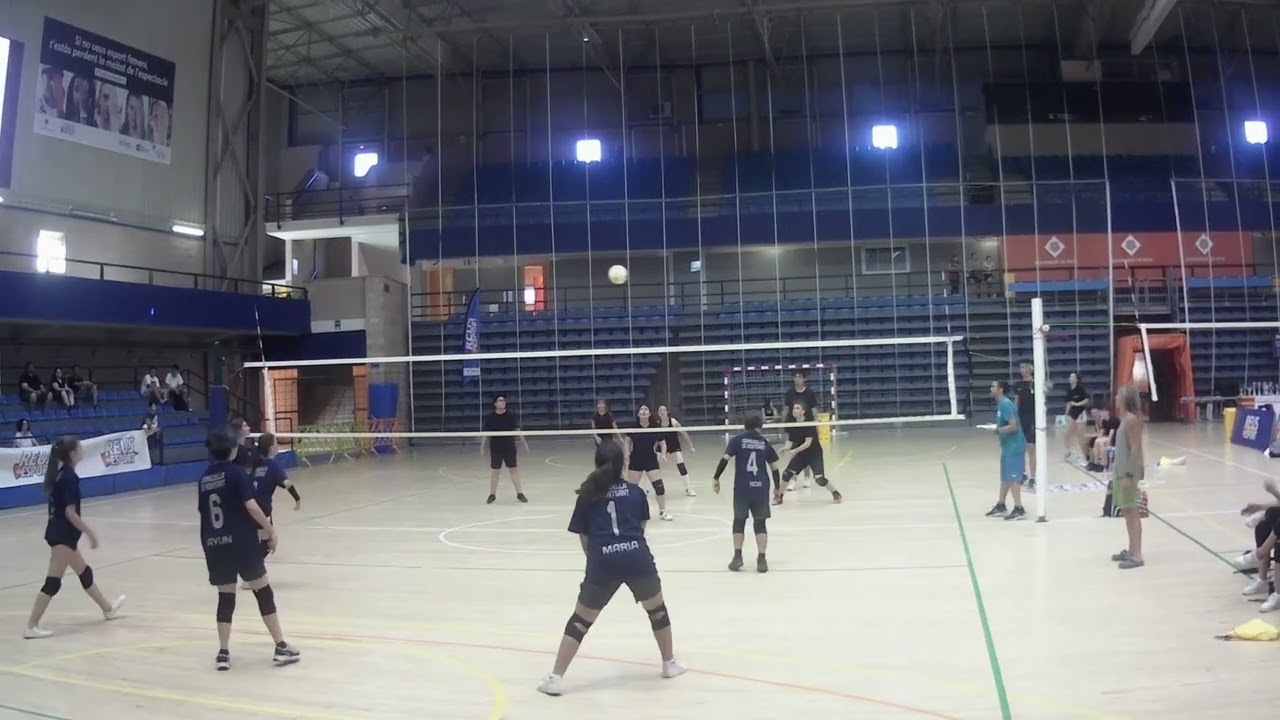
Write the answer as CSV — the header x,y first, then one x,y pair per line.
x,y
496,712
478,631
500,707
32,713
1001,694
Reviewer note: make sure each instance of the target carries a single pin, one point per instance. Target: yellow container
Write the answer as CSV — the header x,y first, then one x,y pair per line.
x,y
824,431
1228,423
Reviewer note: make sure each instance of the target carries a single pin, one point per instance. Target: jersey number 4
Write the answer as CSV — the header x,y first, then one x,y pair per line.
x,y
752,467
215,511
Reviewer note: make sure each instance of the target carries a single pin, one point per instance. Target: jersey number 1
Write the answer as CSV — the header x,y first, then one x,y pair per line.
x,y
613,517
752,467
215,511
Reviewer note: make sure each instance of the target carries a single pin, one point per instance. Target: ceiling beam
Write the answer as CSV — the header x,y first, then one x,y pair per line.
x,y
1147,23
395,18
568,10
336,43
1096,15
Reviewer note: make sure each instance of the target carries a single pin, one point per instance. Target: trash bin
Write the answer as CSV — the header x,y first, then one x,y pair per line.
x,y
1228,423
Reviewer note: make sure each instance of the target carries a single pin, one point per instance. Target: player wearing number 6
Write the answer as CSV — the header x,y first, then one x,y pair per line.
x,y
751,452
609,520
230,520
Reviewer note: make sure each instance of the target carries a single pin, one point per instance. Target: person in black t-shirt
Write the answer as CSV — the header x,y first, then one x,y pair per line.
x,y
801,393
602,420
1096,446
643,461
81,386
31,389
806,452
1077,404
62,533
1025,397
502,448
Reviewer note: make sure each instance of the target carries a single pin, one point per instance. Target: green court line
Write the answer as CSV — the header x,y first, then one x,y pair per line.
x,y
32,713
1001,693
1192,538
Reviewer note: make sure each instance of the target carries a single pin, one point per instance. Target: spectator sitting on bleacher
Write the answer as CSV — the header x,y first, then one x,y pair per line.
x,y
23,438
61,389
151,421
82,387
178,390
152,390
31,389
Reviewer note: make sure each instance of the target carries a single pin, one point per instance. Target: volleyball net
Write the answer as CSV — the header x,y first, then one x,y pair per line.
x,y
353,405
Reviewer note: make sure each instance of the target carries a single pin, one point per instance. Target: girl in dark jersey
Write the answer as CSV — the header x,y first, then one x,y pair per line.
x,y
609,520
244,449
62,533
267,475
644,459
672,447
602,420
806,452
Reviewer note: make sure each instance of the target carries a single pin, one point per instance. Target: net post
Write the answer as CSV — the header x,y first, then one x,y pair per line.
x,y
1146,358
951,377
1042,432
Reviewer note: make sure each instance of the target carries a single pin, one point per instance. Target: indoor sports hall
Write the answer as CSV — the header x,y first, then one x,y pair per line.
x,y
994,281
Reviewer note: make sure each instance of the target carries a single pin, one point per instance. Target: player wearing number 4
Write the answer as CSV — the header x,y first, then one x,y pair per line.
x,y
230,520
751,452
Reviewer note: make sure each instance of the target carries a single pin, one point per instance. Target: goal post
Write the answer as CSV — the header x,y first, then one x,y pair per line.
x,y
749,388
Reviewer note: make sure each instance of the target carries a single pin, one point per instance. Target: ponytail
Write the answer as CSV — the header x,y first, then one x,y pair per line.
x,y
59,455
609,465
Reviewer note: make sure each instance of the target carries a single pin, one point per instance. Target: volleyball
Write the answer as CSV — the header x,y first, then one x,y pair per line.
x,y
617,274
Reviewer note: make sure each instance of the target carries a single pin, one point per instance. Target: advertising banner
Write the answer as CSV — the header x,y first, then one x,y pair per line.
x,y
102,455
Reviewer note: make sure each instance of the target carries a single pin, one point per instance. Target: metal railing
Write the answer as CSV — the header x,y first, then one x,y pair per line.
x,y
339,203
116,272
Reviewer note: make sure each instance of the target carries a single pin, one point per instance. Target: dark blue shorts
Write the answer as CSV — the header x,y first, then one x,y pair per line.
x,y
227,563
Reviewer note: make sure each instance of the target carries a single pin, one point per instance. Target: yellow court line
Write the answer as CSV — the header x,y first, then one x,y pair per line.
x,y
971,689
496,712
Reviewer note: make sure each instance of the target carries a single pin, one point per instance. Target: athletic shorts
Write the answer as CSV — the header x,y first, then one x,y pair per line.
x,y
594,595
757,506
226,563
1012,467
673,444
67,539
812,459
502,456
643,462
1124,492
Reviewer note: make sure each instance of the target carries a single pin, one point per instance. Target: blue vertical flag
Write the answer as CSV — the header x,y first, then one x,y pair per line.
x,y
471,339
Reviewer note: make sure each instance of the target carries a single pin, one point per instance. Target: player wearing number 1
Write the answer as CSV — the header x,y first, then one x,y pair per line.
x,y
609,520
750,452
230,520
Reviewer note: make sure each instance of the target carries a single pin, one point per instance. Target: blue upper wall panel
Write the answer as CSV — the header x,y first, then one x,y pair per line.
x,y
58,299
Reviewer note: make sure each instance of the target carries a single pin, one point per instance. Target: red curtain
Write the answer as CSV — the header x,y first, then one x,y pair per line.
x,y
1129,351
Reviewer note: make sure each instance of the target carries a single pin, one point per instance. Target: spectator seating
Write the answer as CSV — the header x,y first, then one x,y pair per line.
x,y
1226,359
182,435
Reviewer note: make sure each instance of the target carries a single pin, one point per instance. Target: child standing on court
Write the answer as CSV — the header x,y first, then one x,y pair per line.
x,y
1127,470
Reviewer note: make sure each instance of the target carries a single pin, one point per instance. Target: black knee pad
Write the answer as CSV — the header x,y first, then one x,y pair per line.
x,y
226,606
787,475
759,526
659,488
266,600
739,525
681,467
577,627
821,480
51,586
86,578
658,618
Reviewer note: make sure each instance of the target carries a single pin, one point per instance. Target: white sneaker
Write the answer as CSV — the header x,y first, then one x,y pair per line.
x,y
1257,587
37,633
806,482
791,484
690,492
1271,603
552,685
666,516
114,612
673,668
1247,561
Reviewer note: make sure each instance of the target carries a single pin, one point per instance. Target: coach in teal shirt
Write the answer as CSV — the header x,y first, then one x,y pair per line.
x,y
1013,445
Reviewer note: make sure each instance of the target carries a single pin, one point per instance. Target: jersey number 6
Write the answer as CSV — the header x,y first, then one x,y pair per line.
x,y
215,511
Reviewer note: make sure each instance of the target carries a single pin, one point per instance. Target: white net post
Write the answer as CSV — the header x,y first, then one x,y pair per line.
x,y
1038,331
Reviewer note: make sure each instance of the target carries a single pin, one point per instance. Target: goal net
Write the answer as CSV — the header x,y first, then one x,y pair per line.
x,y
751,389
